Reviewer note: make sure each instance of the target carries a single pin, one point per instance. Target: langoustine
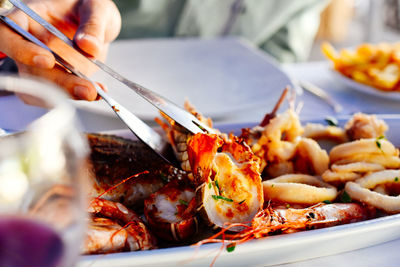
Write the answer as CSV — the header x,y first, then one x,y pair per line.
x,y
171,212
224,171
113,227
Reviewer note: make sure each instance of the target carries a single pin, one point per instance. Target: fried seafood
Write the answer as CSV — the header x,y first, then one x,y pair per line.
x,y
171,212
317,131
361,190
229,182
113,227
299,189
352,160
282,149
363,126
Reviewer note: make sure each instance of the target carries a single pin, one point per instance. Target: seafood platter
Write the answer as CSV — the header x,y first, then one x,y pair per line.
x,y
273,192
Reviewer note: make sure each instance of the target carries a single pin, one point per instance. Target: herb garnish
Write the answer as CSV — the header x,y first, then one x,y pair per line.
x,y
327,202
231,247
183,202
209,185
287,205
331,121
215,197
345,197
396,179
217,185
378,141
241,202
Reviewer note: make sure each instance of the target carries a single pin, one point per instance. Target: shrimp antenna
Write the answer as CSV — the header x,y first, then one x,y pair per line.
x,y
272,114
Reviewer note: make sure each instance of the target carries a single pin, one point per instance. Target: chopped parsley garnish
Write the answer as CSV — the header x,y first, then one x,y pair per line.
x,y
215,197
209,185
345,198
183,202
287,205
231,247
272,185
331,121
241,202
327,202
396,179
378,141
217,185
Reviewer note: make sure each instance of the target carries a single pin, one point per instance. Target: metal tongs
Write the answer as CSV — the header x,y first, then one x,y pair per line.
x,y
137,126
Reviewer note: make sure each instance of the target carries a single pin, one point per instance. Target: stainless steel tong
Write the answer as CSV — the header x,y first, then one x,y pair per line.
x,y
138,127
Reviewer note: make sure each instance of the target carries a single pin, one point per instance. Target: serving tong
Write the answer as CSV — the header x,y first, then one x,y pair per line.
x,y
145,133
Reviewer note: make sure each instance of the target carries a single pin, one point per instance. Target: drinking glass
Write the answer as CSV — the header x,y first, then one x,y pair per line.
x,y
42,182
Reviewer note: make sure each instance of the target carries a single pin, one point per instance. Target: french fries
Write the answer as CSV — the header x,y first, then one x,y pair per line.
x,y
374,65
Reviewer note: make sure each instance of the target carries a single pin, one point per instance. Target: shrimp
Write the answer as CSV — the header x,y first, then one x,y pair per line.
x,y
228,178
113,228
272,221
171,212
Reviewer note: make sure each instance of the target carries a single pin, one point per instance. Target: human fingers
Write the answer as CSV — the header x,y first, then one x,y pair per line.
x,y
99,23
21,50
77,87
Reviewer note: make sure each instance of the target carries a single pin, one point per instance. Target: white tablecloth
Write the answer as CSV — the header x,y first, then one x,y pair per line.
x,y
15,115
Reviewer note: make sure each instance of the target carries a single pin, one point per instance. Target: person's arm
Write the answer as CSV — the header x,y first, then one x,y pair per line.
x,y
92,24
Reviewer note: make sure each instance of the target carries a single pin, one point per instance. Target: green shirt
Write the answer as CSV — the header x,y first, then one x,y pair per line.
x,y
283,28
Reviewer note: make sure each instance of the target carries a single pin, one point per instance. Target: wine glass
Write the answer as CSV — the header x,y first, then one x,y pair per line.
x,y
43,172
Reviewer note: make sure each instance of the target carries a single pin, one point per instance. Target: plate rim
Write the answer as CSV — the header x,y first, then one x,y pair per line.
x,y
364,88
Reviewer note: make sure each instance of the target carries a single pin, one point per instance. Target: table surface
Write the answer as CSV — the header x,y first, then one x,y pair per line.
x,y
15,115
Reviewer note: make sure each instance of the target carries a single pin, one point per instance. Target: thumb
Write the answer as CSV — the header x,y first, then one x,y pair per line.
x,y
92,26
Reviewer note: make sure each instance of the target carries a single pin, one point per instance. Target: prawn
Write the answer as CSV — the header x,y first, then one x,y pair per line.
x,y
171,212
275,221
113,228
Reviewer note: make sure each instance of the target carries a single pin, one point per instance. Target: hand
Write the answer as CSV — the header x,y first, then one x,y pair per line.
x,y
92,24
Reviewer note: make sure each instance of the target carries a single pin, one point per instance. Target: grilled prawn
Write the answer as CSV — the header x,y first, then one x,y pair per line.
x,y
270,221
113,228
171,211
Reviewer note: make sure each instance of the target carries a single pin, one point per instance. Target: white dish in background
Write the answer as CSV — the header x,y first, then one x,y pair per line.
x,y
363,88
272,250
220,77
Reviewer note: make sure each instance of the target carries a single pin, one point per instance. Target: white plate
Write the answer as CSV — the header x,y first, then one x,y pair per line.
x,y
365,88
219,77
268,251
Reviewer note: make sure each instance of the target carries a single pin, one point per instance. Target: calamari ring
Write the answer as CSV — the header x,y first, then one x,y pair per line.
x,y
298,188
318,131
363,146
361,190
331,176
357,167
387,161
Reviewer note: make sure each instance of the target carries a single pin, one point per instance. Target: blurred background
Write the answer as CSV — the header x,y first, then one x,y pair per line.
x,y
347,23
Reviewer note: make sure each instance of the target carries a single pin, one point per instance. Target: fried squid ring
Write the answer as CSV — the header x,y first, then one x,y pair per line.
x,y
363,146
361,190
298,188
330,176
357,167
318,131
